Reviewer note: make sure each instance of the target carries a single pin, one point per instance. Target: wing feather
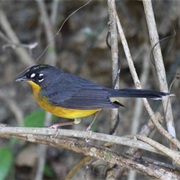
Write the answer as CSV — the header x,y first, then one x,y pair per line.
x,y
73,92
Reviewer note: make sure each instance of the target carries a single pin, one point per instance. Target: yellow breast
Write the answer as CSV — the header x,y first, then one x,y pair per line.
x,y
56,110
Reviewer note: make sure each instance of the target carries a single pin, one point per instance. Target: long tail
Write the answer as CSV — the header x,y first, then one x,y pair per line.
x,y
138,93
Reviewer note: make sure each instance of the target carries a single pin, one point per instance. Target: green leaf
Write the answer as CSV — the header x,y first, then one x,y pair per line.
x,y
35,119
48,171
6,160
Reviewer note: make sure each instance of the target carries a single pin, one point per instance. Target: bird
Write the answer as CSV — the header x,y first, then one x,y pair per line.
x,y
72,97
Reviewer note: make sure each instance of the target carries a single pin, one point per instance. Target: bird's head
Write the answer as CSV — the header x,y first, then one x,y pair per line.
x,y
41,75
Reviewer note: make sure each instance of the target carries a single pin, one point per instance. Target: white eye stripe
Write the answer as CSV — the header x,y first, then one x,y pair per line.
x,y
32,75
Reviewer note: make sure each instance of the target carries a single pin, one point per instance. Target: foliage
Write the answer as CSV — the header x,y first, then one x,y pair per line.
x,y
6,159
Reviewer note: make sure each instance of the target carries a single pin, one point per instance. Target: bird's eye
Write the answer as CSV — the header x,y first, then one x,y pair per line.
x,y
40,77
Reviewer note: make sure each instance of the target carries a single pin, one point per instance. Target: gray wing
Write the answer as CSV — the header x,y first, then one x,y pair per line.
x,y
73,92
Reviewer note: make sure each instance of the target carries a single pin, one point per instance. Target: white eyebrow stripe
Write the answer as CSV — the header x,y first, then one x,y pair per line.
x,y
32,75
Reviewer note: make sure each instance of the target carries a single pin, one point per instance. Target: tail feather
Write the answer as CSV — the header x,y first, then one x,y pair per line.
x,y
139,93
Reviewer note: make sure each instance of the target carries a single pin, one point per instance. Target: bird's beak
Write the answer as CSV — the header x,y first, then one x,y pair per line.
x,y
22,78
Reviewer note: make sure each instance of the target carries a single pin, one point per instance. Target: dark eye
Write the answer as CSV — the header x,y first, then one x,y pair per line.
x,y
40,77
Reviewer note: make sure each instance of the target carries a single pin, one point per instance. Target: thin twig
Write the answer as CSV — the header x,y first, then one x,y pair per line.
x,y
57,33
50,59
114,57
42,151
138,104
114,52
168,152
13,107
160,69
138,85
54,13
51,56
145,131
74,170
5,25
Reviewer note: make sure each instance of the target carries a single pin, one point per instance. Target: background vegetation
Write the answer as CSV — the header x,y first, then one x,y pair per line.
x,y
80,48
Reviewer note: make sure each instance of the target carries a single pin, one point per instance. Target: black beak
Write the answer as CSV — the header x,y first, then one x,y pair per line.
x,y
22,78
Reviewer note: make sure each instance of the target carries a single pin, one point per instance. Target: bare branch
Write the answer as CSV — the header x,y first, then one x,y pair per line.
x,y
160,69
138,85
30,132
114,53
23,55
138,104
13,107
50,59
48,136
170,153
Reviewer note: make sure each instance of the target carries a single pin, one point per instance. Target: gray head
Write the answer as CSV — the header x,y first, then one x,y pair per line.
x,y
42,74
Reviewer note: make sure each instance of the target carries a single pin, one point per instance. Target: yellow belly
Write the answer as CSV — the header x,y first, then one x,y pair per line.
x,y
59,111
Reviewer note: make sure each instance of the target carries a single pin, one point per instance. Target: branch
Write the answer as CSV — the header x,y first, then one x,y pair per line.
x,y
12,106
138,103
138,85
23,55
74,170
58,139
115,68
114,54
170,153
160,69
50,59
29,133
